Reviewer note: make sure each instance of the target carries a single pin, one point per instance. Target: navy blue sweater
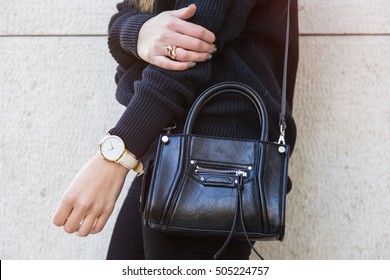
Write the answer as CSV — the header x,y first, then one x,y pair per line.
x,y
250,40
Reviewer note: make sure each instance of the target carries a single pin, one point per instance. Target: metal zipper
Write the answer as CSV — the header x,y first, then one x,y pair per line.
x,y
220,171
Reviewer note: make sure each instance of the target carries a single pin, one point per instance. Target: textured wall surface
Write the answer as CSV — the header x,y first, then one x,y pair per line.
x,y
57,100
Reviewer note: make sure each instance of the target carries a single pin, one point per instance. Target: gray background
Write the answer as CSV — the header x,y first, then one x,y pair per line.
x,y
57,101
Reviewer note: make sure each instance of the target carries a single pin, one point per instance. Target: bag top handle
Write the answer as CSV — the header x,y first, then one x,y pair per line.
x,y
229,87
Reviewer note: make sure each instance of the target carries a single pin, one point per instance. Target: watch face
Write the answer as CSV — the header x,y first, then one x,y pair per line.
x,y
112,148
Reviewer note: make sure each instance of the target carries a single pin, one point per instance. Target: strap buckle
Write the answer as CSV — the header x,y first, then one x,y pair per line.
x,y
282,140
170,127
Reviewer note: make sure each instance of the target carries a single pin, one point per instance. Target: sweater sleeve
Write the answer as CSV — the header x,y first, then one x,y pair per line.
x,y
162,96
123,32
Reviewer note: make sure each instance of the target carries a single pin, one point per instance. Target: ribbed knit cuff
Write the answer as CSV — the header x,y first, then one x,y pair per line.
x,y
130,30
142,121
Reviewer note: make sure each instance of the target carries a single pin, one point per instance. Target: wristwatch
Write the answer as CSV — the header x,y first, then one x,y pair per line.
x,y
113,149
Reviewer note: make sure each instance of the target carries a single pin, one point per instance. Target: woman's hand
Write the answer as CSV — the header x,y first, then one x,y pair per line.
x,y
194,43
90,199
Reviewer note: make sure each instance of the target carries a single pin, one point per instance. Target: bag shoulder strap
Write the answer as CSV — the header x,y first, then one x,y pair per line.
x,y
282,116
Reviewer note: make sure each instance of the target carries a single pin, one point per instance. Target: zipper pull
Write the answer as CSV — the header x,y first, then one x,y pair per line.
x,y
240,181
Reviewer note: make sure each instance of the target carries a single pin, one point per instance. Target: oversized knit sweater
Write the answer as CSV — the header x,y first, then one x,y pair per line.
x,y
250,37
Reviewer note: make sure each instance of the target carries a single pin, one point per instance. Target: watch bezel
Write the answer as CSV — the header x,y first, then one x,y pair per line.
x,y
122,147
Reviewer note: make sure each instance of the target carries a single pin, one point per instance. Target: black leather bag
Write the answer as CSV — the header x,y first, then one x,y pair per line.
x,y
216,187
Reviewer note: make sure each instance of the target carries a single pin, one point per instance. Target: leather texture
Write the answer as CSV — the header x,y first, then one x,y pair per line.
x,y
127,161
201,185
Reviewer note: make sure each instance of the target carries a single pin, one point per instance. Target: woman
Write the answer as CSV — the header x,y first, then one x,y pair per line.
x,y
168,52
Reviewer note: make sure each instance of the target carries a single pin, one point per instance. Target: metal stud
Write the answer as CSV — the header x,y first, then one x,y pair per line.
x,y
165,139
250,168
192,162
281,149
202,179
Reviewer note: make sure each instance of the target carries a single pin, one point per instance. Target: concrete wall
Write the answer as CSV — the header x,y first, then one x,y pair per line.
x,y
57,100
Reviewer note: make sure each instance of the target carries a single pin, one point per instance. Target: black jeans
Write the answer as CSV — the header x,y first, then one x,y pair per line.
x,y
131,240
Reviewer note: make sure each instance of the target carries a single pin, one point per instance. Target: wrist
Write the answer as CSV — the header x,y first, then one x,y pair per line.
x,y
130,32
112,149
110,164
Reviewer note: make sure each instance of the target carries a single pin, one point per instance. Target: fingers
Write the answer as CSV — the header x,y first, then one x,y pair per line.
x,y
81,218
188,28
90,197
192,44
100,223
86,225
184,13
184,60
173,65
74,221
61,215
184,55
94,223
195,31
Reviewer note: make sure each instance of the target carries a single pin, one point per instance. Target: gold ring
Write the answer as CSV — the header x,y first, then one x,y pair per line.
x,y
171,50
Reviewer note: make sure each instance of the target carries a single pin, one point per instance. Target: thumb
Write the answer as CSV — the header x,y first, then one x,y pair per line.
x,y
184,13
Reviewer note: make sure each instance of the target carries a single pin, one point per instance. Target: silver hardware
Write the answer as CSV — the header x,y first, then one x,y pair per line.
x,y
250,168
165,139
202,179
220,171
192,162
281,149
241,173
235,181
170,128
281,140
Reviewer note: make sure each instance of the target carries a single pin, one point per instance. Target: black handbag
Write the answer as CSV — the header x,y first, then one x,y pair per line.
x,y
222,188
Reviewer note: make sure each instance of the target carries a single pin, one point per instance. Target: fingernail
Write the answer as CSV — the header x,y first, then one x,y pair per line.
x,y
208,57
215,49
191,65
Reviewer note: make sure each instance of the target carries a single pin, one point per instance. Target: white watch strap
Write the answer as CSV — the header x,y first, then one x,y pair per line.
x,y
127,161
